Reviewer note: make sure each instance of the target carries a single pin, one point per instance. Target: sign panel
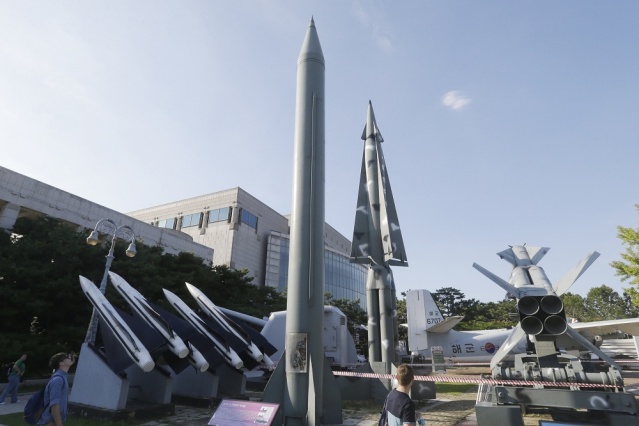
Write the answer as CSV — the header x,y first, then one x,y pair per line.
x,y
437,356
233,412
296,358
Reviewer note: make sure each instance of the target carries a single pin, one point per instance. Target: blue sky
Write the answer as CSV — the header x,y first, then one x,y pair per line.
x,y
504,122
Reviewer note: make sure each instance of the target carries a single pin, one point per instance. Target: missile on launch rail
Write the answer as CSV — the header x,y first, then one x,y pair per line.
x,y
139,305
228,324
221,346
129,341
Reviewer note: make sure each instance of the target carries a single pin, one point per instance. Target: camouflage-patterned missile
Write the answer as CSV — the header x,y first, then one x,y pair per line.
x,y
378,242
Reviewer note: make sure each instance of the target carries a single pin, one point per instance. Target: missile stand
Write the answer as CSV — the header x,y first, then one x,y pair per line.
x,y
543,377
592,397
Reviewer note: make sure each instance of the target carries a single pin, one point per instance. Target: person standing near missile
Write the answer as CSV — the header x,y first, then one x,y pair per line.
x,y
14,375
400,409
56,394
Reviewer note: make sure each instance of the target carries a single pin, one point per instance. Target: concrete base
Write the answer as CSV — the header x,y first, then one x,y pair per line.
x,y
192,384
331,411
489,414
231,382
112,391
97,387
153,387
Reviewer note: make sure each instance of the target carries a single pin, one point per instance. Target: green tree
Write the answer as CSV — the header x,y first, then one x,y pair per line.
x,y
402,318
489,316
575,307
628,267
604,303
452,302
44,310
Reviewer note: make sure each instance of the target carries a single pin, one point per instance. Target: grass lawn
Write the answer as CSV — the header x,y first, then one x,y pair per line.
x,y
17,420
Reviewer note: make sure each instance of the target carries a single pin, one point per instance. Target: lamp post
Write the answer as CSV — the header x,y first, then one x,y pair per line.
x,y
107,226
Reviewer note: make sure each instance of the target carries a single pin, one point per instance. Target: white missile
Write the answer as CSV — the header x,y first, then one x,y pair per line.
x,y
196,359
149,315
228,324
227,353
132,345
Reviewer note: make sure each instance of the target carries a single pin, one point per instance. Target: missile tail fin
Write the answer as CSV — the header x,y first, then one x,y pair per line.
x,y
517,334
499,281
360,247
569,279
392,240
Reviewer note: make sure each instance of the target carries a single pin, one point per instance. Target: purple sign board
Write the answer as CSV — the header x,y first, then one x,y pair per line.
x,y
232,412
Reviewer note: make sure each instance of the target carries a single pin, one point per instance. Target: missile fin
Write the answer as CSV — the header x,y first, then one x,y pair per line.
x,y
592,348
360,245
499,281
536,253
569,279
512,340
392,240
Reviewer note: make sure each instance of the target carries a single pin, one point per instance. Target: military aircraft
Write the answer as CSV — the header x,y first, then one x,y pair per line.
x,y
427,327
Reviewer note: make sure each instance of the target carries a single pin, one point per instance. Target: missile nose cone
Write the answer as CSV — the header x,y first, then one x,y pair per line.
x,y
311,48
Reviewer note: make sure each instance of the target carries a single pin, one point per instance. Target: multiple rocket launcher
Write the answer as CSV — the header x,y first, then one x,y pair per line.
x,y
540,309
201,342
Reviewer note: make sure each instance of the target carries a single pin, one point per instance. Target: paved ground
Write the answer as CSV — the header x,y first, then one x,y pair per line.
x,y
449,409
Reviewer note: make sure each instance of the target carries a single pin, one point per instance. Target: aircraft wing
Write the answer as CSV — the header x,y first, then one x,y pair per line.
x,y
601,328
446,325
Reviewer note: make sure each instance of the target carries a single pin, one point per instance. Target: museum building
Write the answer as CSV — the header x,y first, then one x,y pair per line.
x,y
229,227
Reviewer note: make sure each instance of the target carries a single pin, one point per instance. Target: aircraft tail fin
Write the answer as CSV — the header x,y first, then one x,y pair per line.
x,y
423,314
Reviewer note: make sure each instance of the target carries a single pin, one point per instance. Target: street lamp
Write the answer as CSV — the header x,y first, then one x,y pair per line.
x,y
108,227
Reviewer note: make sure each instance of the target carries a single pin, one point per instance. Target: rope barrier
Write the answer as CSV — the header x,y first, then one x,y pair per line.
x,y
473,380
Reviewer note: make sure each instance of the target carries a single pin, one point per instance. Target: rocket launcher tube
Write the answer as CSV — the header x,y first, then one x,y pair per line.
x,y
551,304
556,325
528,305
532,325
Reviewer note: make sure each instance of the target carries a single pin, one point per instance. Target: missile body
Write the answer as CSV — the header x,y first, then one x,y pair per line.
x,y
227,353
298,382
129,341
196,359
139,304
378,242
229,325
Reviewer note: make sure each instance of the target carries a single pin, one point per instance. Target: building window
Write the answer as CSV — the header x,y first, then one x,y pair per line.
x,y
220,215
192,220
167,223
249,218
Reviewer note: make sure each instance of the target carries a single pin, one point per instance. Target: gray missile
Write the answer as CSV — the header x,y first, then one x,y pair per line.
x,y
378,242
304,363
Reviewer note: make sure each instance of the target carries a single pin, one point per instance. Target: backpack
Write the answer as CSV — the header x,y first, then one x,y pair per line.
x,y
383,416
35,406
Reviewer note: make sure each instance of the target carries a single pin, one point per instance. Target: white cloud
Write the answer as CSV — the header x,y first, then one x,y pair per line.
x,y
455,100
372,17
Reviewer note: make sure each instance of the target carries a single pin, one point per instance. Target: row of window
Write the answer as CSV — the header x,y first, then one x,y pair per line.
x,y
343,279
212,216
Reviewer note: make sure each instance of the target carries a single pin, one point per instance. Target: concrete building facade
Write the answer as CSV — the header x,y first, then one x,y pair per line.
x,y
245,233
22,196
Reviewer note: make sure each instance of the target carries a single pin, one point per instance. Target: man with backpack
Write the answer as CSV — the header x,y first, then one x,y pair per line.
x,y
15,372
56,394
399,409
